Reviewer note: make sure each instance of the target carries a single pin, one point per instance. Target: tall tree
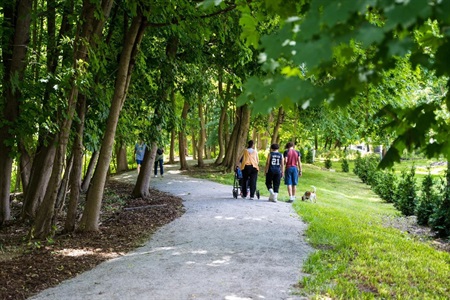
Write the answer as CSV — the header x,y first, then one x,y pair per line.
x,y
15,38
132,40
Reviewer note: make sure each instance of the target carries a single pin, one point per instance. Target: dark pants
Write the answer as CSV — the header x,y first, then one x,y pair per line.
x,y
273,179
250,175
161,168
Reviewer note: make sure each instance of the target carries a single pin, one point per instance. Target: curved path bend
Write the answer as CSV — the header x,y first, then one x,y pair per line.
x,y
221,248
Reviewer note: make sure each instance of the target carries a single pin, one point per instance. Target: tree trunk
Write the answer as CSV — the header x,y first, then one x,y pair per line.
x,y
94,196
121,156
238,137
75,177
181,138
90,170
173,134
39,178
142,187
15,32
24,167
277,126
194,144
202,135
62,192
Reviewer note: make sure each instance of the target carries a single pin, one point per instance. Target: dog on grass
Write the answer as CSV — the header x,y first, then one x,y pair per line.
x,y
310,195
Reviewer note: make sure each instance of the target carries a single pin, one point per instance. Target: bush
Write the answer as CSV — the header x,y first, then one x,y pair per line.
x,y
310,156
428,201
302,153
385,185
328,163
440,219
345,166
366,167
405,196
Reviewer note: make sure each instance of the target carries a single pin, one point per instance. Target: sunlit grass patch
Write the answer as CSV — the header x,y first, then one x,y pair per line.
x,y
358,256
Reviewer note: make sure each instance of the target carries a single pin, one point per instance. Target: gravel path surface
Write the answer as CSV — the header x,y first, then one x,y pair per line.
x,y
221,248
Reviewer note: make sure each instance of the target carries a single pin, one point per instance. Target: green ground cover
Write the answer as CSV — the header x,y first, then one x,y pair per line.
x,y
358,256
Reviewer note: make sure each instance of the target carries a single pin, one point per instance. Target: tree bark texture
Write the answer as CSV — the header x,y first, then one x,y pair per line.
x,y
202,135
75,176
238,137
182,138
90,171
121,156
141,189
277,126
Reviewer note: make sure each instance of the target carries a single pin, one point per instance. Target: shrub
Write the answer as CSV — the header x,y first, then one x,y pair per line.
x,y
440,219
345,166
310,156
366,167
328,163
385,185
428,200
302,153
405,196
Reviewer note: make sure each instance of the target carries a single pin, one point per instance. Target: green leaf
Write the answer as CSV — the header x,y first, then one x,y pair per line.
x,y
314,52
405,13
369,34
336,12
442,56
400,47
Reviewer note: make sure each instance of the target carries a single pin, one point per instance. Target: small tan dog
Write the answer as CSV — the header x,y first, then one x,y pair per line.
x,y
310,195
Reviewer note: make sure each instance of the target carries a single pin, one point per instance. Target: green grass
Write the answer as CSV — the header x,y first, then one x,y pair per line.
x,y
357,257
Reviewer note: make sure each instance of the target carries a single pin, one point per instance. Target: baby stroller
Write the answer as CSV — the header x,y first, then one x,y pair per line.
x,y
237,184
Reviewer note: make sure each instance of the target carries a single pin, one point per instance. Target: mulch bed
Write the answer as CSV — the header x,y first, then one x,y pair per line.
x,y
28,267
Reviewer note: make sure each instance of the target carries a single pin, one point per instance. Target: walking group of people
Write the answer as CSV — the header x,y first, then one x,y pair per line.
x,y
139,152
287,165
278,165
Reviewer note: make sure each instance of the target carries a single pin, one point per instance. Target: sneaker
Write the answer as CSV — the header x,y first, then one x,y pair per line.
x,y
251,198
290,201
155,176
275,197
271,191
271,197
162,175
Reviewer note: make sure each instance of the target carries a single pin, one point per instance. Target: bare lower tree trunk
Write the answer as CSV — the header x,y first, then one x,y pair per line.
x,y
182,139
133,37
141,189
277,126
202,136
238,137
62,192
121,156
75,177
173,134
90,170
24,167
39,178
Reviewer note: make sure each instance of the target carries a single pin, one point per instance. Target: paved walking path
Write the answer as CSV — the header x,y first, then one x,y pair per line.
x,y
221,248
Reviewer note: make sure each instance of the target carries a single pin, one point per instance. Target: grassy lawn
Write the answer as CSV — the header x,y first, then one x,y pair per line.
x,y
357,257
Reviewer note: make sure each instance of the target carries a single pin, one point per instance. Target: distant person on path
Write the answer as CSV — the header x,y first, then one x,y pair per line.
x,y
139,152
249,166
274,171
293,164
159,160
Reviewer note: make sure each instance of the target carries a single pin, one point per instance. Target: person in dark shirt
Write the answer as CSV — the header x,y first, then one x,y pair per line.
x,y
274,171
